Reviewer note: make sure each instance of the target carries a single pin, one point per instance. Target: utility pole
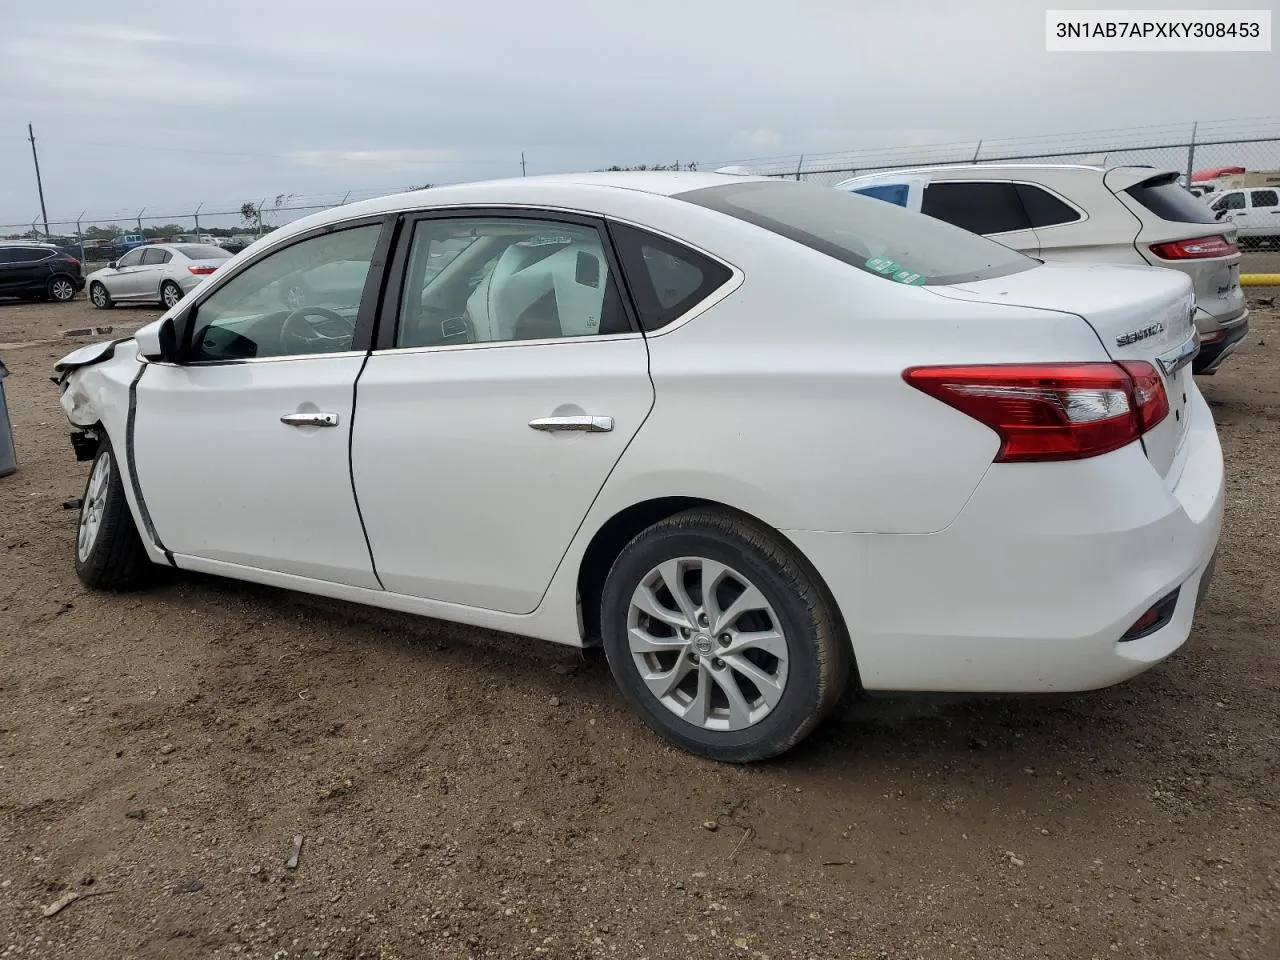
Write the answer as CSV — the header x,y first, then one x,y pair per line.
x,y
522,168
197,219
35,158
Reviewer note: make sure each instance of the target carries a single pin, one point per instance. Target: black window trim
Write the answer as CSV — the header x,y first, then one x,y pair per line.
x,y
1082,214
370,297
388,321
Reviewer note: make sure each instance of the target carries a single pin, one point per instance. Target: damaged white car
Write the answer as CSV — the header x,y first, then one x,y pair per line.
x,y
756,437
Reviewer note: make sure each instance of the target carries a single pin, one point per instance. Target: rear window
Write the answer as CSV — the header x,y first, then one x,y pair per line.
x,y
1171,201
202,251
878,238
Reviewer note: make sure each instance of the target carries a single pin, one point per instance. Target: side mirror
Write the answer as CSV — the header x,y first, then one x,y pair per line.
x,y
161,340
113,264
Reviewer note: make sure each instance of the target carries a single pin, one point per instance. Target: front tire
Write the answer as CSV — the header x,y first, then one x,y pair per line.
x,y
109,551
170,294
61,290
722,637
99,297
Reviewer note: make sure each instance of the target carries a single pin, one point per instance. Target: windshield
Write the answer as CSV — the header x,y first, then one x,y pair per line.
x,y
202,251
876,237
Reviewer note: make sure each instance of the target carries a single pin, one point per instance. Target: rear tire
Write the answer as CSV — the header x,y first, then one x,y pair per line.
x,y
109,551
99,297
61,290
170,294
749,687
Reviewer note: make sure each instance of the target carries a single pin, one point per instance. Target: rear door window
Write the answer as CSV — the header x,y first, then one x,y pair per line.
x,y
153,256
1043,208
1264,198
984,207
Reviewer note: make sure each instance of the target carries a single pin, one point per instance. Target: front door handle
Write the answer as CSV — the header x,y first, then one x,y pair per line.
x,y
310,419
586,424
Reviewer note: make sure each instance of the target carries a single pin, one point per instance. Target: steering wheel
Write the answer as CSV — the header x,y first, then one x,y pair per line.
x,y
316,330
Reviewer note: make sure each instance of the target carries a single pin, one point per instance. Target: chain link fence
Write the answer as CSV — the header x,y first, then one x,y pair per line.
x,y
1187,148
103,236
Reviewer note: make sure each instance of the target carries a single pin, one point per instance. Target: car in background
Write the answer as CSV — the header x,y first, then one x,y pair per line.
x,y
1255,214
237,242
130,240
38,271
1138,215
757,437
158,273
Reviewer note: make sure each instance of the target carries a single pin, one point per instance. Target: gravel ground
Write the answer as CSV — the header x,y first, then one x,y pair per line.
x,y
470,795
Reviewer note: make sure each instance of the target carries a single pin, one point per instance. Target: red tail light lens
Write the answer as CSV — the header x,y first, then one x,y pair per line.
x,y
1198,249
1050,411
73,261
202,271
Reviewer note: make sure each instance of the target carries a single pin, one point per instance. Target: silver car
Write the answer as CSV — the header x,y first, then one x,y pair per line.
x,y
160,273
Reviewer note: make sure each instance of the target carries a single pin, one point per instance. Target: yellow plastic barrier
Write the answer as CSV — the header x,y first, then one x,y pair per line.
x,y
1260,279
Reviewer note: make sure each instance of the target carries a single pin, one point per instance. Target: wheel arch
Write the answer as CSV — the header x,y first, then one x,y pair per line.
x,y
616,532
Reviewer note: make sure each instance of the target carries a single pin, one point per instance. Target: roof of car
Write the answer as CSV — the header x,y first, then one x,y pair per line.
x,y
28,243
1000,170
562,190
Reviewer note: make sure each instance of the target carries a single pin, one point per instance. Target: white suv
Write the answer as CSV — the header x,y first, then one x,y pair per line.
x,y
1138,215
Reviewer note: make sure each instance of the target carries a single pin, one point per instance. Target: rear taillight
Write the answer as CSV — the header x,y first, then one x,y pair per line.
x,y
1052,411
1213,336
202,271
1198,249
71,260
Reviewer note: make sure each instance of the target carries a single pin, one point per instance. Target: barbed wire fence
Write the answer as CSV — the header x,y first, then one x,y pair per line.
x,y
1253,144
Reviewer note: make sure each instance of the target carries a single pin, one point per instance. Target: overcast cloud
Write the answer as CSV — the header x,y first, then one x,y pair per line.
x,y
167,104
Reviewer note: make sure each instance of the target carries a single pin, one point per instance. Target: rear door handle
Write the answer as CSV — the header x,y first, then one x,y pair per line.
x,y
586,424
310,419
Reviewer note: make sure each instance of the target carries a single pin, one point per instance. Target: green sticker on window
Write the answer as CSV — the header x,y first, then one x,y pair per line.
x,y
881,265
909,277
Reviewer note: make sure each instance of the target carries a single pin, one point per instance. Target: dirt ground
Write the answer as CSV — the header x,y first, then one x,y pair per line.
x,y
470,795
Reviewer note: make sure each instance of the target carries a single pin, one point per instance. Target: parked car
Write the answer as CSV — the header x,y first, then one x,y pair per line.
x,y
1138,215
238,242
38,271
130,240
750,433
1254,213
160,273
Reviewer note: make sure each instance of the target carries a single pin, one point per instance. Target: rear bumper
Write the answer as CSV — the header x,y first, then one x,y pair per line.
x,y
1033,585
1213,354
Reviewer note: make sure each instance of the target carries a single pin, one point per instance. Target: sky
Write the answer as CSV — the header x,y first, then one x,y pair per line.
x,y
167,105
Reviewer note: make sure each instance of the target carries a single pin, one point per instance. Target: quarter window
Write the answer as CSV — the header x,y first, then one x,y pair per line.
x,y
666,278
1043,208
301,300
979,207
498,279
896,193
1264,198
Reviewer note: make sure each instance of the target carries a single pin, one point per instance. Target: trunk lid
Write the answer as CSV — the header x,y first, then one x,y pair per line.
x,y
1138,314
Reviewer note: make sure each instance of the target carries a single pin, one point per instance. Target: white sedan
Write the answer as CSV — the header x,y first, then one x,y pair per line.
x,y
756,437
160,273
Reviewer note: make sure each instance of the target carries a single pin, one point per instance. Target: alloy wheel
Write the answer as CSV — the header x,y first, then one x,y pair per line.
x,y
95,502
171,294
707,644
62,289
